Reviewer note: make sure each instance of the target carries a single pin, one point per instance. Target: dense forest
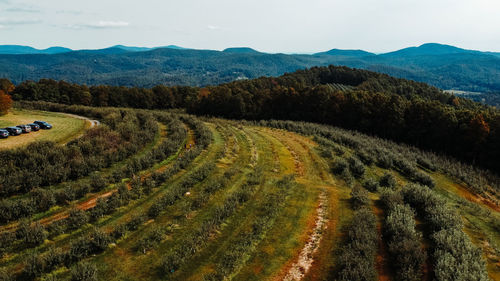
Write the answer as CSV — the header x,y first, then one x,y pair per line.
x,y
446,67
373,103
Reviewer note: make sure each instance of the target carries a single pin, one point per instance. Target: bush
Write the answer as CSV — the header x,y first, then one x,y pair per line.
x,y
404,243
100,209
357,256
6,240
151,239
356,167
31,234
371,184
43,199
456,258
339,166
6,275
34,266
359,197
84,271
388,180
76,218
97,181
384,160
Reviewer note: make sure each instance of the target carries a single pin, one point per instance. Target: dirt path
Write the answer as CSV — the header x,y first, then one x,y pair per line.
x,y
381,260
300,268
93,123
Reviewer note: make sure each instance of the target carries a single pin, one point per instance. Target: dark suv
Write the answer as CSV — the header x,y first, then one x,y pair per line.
x,y
34,127
25,128
14,131
43,124
4,133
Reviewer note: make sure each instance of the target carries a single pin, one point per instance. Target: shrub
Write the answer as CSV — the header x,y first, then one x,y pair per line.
x,y
456,258
151,238
384,160
371,184
97,181
339,166
357,256
43,199
84,271
100,209
356,167
359,197
31,234
404,243
34,266
388,180
76,218
6,240
6,275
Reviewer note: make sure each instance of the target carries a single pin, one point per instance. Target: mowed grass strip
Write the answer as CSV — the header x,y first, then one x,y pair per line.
x,y
292,229
131,265
64,128
274,158
190,221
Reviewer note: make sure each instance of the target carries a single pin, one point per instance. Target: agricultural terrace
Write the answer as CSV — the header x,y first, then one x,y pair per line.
x,y
158,195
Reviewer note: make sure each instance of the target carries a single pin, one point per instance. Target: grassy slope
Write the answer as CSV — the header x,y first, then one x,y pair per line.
x,y
276,153
280,153
65,127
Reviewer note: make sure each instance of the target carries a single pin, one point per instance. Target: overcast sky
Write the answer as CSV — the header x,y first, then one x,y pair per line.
x,y
289,26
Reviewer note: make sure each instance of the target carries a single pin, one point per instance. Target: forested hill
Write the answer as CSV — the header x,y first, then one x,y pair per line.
x,y
443,66
398,109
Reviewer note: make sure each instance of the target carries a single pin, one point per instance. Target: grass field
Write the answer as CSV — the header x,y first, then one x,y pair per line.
x,y
284,184
65,128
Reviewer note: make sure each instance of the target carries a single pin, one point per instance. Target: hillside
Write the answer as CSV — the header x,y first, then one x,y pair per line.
x,y
185,198
443,66
377,104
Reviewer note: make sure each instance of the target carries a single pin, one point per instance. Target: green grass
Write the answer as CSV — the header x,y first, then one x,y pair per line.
x,y
268,257
65,128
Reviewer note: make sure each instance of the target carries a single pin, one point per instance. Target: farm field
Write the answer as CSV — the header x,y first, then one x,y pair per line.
x,y
65,127
211,199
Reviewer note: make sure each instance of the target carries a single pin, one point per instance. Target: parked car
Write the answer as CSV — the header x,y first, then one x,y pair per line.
x,y
14,131
43,124
4,133
34,127
25,128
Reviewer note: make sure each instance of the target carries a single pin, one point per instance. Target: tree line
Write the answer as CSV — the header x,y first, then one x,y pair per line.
x,y
373,103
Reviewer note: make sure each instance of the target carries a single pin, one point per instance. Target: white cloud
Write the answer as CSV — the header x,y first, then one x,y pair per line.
x,y
213,27
98,25
18,21
69,12
108,24
22,10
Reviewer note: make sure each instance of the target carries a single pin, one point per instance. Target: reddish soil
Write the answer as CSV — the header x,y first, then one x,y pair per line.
x,y
465,193
91,202
382,258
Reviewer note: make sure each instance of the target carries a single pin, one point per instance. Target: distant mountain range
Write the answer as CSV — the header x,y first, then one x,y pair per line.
x,y
27,50
444,66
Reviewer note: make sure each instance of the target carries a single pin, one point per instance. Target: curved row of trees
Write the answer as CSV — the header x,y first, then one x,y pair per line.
x,y
455,257
122,133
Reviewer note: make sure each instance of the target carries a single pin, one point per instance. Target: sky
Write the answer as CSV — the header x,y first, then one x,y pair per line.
x,y
286,26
